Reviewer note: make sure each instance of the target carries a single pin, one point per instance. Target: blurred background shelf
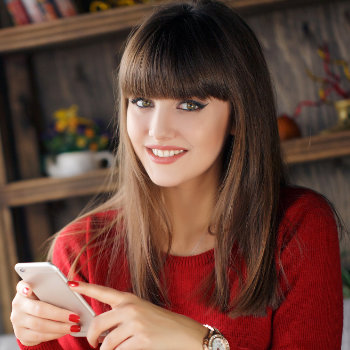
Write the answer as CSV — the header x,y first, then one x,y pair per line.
x,y
317,147
26,192
86,26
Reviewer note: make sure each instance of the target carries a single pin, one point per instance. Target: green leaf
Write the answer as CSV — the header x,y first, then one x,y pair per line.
x,y
346,292
345,277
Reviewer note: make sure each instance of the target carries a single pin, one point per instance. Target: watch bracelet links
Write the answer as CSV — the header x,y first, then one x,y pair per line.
x,y
211,331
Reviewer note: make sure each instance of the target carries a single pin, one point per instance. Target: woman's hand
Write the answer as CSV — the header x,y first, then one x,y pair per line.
x,y
134,323
35,322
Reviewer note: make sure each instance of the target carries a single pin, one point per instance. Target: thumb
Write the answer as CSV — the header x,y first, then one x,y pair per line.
x,y
23,288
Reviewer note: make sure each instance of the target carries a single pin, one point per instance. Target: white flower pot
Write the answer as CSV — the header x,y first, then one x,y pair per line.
x,y
76,163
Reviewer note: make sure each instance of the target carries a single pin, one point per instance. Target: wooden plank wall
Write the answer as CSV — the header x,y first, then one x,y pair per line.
x,y
290,39
24,121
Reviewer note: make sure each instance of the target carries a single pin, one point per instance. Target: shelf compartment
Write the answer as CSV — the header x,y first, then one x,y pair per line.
x,y
89,25
32,191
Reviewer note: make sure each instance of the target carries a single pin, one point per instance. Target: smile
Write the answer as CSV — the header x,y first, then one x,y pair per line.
x,y
170,153
165,156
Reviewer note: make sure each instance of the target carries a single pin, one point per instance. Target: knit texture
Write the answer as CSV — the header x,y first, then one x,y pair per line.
x,y
311,315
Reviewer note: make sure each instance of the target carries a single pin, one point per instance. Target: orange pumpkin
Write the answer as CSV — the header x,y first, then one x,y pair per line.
x,y
287,128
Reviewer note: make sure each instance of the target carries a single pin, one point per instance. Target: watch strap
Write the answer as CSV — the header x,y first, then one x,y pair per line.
x,y
211,331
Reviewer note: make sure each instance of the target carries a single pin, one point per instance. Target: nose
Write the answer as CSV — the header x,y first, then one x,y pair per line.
x,y
161,125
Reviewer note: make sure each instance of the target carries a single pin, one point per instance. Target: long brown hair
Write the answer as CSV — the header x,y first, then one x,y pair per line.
x,y
204,49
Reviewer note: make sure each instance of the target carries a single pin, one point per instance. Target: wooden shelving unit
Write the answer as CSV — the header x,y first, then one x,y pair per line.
x,y
29,38
87,26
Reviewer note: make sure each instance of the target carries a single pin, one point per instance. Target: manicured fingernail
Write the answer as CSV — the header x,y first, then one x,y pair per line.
x,y
101,339
25,291
73,284
75,328
74,318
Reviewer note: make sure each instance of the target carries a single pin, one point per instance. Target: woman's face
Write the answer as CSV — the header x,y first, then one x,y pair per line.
x,y
178,140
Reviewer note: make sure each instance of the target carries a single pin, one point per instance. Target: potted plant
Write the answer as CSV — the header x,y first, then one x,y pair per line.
x,y
75,144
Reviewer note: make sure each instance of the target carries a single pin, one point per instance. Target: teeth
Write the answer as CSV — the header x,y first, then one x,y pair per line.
x,y
160,153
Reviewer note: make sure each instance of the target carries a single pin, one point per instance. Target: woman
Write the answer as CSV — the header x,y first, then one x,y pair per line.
x,y
204,228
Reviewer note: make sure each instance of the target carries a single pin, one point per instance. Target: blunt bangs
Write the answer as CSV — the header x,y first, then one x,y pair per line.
x,y
178,56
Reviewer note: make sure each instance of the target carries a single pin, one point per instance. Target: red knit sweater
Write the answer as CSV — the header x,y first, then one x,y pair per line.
x,y
310,317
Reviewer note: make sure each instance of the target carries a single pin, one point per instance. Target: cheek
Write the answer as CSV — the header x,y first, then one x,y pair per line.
x,y
212,136
130,128
134,129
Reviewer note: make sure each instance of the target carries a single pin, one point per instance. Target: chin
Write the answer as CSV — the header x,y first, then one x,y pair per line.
x,y
165,182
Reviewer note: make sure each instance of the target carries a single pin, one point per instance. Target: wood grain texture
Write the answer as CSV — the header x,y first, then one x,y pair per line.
x,y
8,255
289,50
23,118
87,26
49,189
318,147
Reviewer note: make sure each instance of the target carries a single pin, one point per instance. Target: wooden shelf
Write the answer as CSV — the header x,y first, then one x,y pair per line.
x,y
87,26
317,147
48,189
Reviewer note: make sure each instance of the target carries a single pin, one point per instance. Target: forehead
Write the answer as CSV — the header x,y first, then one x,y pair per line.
x,y
176,61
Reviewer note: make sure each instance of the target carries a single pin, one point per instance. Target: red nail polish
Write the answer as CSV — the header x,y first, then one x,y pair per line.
x,y
75,328
25,291
73,284
74,318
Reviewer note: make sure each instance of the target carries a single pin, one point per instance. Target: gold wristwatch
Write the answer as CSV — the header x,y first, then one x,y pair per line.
x,y
214,340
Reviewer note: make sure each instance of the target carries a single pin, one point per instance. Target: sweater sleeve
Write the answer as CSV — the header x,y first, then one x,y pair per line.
x,y
67,246
311,315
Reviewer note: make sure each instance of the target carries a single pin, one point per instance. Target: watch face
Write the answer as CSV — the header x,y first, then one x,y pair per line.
x,y
218,342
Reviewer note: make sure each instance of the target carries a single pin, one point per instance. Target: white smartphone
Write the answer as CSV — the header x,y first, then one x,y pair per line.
x,y
50,285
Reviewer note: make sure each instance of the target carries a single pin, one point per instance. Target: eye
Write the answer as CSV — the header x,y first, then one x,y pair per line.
x,y
191,105
141,102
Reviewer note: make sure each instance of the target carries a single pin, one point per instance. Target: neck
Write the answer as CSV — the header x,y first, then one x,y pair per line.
x,y
190,207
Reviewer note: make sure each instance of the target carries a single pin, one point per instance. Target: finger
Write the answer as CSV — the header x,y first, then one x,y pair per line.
x,y
102,324
29,337
44,326
106,295
25,289
116,338
47,311
132,343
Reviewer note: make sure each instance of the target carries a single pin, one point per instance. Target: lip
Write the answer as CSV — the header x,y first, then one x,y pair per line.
x,y
165,160
166,148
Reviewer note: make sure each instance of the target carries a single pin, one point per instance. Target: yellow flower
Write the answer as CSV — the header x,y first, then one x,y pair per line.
x,y
65,114
104,140
322,94
61,125
90,133
73,124
81,142
93,147
125,2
